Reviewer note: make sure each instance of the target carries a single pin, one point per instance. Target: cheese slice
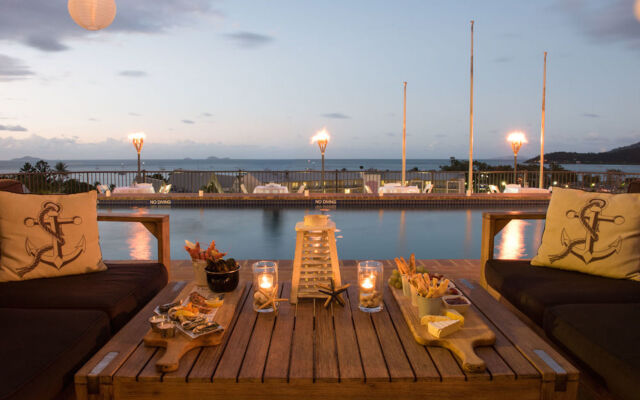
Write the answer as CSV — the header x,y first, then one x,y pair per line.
x,y
432,318
454,314
441,329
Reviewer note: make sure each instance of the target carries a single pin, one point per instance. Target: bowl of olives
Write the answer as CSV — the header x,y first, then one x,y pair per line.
x,y
222,275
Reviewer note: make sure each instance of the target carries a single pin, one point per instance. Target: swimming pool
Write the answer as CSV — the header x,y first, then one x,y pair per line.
x,y
268,233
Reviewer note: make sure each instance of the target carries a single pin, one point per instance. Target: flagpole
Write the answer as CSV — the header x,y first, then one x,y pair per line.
x,y
470,183
544,94
404,137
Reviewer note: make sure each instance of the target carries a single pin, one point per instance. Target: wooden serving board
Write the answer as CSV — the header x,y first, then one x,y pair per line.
x,y
180,344
461,343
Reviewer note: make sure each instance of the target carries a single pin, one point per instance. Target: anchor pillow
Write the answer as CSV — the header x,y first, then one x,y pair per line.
x,y
594,233
48,236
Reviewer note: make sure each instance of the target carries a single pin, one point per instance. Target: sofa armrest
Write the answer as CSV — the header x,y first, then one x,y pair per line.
x,y
492,224
157,224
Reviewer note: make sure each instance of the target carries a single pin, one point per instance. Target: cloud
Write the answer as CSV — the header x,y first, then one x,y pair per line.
x,y
502,59
391,134
13,128
12,69
134,114
47,26
336,115
93,120
591,115
132,73
206,114
188,121
248,40
604,22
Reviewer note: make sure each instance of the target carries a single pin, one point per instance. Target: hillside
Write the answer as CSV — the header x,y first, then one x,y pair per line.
x,y
621,155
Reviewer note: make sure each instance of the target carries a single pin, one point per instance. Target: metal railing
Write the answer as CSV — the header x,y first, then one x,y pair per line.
x,y
338,181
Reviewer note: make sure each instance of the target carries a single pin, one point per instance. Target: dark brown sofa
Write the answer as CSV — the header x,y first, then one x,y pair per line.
x,y
595,321
50,327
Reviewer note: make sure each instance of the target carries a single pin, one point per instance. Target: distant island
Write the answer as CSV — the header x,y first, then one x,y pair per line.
x,y
621,155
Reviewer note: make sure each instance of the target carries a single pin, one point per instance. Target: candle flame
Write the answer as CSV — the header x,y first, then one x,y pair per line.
x,y
516,137
266,281
321,136
367,283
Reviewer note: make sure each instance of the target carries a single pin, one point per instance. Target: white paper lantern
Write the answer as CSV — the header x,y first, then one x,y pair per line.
x,y
92,15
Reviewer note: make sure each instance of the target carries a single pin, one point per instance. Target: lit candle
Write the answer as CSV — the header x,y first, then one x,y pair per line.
x,y
200,193
108,193
368,283
266,281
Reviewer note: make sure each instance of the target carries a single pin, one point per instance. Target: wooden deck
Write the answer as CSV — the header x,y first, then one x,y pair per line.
x,y
307,351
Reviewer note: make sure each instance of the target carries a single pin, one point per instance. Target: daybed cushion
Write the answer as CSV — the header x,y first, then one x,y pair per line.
x,y
120,291
603,336
42,349
533,289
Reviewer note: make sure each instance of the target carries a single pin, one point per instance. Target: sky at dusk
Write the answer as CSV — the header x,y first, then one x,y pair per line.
x,y
256,79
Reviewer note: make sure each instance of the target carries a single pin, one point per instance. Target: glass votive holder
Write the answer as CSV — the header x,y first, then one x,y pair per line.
x,y
370,283
265,283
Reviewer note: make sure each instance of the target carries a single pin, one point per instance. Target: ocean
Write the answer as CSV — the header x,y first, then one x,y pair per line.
x,y
280,165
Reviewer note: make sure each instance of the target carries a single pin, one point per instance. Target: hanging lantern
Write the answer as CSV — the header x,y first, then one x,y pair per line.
x,y
92,15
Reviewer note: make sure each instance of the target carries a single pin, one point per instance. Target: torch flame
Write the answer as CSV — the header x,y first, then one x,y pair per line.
x,y
516,137
137,136
321,136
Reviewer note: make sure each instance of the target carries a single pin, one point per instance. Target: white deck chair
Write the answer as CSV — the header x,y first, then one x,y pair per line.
x,y
367,189
243,188
493,189
428,188
302,188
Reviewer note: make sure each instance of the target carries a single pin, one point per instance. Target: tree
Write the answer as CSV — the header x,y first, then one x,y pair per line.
x,y
61,167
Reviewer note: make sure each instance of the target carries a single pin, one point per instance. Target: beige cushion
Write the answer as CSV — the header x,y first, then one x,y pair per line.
x,y
594,233
48,236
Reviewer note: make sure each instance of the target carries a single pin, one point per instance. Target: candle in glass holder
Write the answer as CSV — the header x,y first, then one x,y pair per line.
x,y
370,283
265,281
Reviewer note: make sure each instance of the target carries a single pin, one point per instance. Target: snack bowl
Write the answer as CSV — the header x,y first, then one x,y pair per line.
x,y
220,282
429,306
456,302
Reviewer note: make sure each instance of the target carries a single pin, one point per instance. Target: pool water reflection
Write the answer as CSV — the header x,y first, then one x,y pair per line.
x,y
363,234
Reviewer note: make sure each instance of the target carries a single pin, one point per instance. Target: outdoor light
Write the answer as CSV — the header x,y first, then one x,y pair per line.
x,y
138,140
322,138
92,15
516,139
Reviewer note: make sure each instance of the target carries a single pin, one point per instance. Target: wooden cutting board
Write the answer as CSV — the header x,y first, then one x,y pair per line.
x,y
180,344
461,343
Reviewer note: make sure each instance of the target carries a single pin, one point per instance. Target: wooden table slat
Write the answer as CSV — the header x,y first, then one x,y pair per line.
x,y
375,368
277,365
326,362
150,373
349,361
234,352
186,363
205,364
420,360
135,363
447,365
302,346
256,356
496,366
397,363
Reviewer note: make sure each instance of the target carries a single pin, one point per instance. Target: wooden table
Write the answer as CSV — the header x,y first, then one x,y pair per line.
x,y
310,352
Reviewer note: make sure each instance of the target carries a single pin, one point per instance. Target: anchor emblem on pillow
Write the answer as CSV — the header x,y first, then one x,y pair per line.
x,y
590,216
50,220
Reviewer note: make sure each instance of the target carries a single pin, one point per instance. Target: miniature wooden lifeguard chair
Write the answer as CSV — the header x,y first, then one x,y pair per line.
x,y
316,257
